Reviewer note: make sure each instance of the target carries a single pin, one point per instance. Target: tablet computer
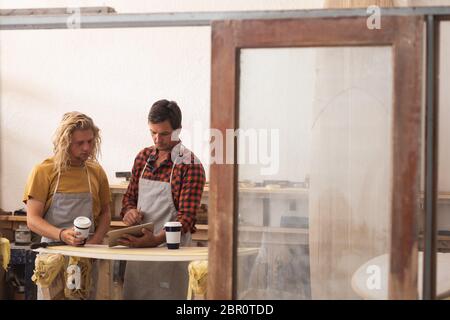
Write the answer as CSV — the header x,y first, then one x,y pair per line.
x,y
115,235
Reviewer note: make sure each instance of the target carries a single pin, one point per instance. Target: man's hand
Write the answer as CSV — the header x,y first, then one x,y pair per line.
x,y
148,239
132,217
94,240
69,236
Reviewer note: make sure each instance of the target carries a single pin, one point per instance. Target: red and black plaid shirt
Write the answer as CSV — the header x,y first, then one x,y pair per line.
x,y
188,180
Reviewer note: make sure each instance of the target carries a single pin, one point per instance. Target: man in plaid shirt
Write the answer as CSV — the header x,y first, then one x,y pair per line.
x,y
166,185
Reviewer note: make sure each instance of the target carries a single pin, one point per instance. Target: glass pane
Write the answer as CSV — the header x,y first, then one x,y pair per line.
x,y
314,151
443,207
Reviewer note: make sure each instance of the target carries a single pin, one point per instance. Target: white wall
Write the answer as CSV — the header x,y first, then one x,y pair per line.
x,y
113,75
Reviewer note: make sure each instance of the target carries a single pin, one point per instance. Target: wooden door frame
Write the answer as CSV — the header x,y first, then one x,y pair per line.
x,y
405,35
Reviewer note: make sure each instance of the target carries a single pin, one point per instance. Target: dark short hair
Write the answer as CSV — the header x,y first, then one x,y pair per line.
x,y
163,110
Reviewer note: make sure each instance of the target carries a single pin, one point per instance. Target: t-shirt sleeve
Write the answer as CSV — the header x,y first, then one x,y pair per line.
x,y
37,186
104,191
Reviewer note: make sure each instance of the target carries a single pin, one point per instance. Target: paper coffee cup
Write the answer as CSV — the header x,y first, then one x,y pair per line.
x,y
82,225
173,234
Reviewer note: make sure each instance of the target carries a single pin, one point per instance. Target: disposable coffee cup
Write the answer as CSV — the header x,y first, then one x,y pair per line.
x,y
173,234
82,225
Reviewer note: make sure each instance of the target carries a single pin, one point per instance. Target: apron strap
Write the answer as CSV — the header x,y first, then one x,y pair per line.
x,y
171,172
142,173
57,184
89,179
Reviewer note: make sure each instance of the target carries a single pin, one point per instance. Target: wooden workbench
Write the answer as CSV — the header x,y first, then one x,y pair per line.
x,y
137,254
105,287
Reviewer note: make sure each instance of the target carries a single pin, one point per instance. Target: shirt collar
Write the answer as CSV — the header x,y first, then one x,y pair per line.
x,y
154,154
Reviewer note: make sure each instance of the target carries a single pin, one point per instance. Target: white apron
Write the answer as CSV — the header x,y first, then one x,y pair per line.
x,y
157,280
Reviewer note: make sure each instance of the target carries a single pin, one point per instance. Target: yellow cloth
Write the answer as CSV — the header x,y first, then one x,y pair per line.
x,y
42,180
47,267
85,265
5,252
198,278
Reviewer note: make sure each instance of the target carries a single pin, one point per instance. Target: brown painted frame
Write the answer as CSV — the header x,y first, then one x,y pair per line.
x,y
404,34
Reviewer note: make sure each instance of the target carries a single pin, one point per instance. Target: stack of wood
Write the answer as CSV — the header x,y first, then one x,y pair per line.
x,y
442,243
4,213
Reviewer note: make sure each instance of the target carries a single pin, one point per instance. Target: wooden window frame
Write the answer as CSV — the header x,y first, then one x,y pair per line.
x,y
431,155
405,35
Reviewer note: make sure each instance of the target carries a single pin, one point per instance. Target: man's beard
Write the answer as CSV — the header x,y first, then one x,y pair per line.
x,y
81,159
164,147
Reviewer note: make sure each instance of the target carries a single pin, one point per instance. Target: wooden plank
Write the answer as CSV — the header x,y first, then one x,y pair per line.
x,y
121,189
104,280
14,218
130,254
12,223
254,235
310,33
222,200
5,224
408,48
269,191
113,223
137,254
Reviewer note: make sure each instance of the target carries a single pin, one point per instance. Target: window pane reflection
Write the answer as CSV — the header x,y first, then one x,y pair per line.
x,y
314,151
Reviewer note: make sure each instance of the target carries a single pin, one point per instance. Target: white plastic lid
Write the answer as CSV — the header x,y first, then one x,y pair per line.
x,y
172,224
82,222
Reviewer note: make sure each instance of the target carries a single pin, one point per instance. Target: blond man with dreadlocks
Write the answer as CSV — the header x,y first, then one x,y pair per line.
x,y
70,184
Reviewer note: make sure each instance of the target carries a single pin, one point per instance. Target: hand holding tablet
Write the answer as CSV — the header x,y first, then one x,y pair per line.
x,y
115,235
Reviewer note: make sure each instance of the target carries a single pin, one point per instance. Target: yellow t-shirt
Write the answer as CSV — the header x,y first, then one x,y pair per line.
x,y
42,182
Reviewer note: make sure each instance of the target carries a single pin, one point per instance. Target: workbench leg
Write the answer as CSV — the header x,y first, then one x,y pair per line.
x,y
104,280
